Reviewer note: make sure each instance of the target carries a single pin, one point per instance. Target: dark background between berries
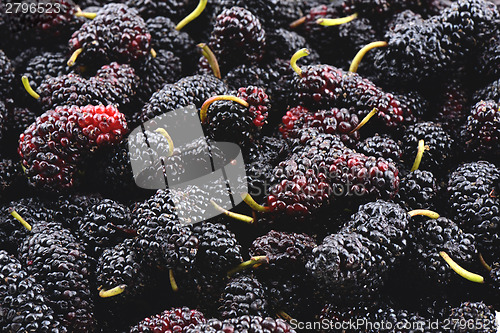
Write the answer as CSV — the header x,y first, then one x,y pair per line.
x,y
338,239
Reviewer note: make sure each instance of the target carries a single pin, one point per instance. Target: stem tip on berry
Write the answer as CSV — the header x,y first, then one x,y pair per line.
x,y
193,15
18,217
247,198
484,263
282,314
420,152
212,60
298,22
73,57
29,89
252,263
461,271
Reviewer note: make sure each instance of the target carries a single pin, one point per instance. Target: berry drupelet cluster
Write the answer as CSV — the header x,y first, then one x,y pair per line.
x,y
353,263
482,129
169,320
52,146
332,121
117,33
472,205
24,304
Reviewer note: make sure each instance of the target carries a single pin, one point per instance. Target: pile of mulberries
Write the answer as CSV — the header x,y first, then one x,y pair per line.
x,y
249,166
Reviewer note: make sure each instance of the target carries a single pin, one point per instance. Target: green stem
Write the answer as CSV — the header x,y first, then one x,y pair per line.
x,y
236,216
336,21
194,14
73,57
103,293
212,60
297,55
461,271
167,136
19,218
247,198
365,120
420,153
173,283
424,212
361,53
29,89
88,15
208,102
253,262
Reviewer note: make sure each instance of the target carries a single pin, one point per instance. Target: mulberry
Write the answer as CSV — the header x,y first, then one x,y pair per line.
x,y
59,263
381,146
237,37
472,206
117,33
23,301
438,235
52,147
